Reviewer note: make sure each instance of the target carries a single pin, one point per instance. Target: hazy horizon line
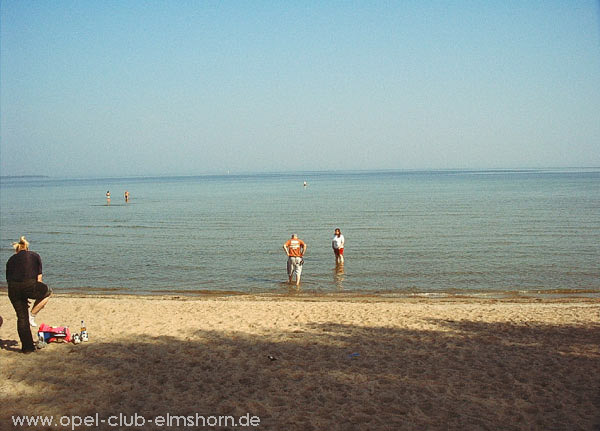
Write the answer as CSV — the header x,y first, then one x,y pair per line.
x,y
304,172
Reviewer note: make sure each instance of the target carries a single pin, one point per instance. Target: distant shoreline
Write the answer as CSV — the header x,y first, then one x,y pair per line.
x,y
27,177
444,171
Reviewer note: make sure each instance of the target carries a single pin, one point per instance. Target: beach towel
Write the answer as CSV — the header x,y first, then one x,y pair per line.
x,y
52,334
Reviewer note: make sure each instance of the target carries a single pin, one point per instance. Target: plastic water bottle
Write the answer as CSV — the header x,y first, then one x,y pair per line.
x,y
84,334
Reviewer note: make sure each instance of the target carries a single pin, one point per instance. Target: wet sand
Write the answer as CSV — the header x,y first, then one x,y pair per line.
x,y
354,363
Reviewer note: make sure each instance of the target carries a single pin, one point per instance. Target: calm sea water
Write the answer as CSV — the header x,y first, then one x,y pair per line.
x,y
441,232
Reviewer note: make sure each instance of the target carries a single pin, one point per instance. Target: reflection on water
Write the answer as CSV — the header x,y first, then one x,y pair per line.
x,y
338,276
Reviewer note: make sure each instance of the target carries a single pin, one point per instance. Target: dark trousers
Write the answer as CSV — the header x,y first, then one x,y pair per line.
x,y
19,293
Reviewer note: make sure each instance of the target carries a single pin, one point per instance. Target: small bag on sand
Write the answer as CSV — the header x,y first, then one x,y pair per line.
x,y
52,334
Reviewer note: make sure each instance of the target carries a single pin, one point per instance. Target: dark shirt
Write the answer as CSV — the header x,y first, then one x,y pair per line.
x,y
24,265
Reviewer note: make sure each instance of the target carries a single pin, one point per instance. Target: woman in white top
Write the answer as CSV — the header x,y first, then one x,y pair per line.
x,y
338,247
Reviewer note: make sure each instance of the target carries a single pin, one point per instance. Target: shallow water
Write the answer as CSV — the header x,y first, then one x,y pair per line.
x,y
434,232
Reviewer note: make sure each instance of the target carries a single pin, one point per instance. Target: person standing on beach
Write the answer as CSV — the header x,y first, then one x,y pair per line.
x,y
295,249
24,277
338,246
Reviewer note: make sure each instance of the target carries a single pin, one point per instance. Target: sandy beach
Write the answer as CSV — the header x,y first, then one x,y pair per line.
x,y
309,363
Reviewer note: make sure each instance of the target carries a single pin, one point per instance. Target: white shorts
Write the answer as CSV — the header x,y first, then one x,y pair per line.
x,y
294,266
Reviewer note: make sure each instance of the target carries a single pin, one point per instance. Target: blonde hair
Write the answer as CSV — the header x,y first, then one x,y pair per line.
x,y
22,244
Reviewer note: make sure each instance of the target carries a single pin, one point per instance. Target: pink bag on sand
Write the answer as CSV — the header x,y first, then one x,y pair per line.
x,y
54,334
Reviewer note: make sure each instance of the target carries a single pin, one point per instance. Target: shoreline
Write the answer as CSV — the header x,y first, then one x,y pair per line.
x,y
562,295
307,362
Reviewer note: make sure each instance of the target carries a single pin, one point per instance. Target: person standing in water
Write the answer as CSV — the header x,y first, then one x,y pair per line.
x,y
107,197
126,196
295,249
24,277
337,243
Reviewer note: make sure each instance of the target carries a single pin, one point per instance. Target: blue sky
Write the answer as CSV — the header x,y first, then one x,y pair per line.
x,y
112,88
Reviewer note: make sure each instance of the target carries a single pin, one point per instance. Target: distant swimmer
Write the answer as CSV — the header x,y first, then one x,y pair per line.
x,y
305,184
295,249
107,197
337,243
126,196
